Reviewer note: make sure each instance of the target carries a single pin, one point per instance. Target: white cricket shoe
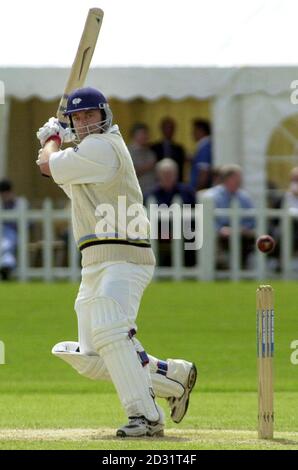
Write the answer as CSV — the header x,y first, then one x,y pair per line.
x,y
179,406
139,426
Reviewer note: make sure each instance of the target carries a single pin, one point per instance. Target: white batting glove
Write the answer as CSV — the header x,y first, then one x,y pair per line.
x,y
54,128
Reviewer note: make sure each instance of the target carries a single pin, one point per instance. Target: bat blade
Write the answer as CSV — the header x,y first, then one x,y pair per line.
x,y
82,59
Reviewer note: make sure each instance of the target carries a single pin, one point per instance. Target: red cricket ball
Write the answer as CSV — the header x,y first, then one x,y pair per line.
x,y
266,243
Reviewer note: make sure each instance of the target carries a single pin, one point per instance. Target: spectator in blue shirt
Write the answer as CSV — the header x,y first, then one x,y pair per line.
x,y
201,165
167,171
223,195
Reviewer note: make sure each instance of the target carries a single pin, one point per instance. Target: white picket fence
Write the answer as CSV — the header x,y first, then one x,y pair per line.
x,y
47,216
262,266
204,259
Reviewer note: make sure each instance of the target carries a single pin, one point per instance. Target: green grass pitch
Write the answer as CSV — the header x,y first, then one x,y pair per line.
x,y
45,404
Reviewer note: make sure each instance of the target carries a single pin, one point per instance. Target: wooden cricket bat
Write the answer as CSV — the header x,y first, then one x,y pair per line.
x,y
82,59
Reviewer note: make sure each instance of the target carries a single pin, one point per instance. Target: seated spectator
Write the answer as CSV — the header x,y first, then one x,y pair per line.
x,y
9,232
291,202
223,195
201,165
291,196
168,187
167,148
142,156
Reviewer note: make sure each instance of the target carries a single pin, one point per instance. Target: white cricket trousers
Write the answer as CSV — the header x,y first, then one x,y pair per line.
x,y
124,282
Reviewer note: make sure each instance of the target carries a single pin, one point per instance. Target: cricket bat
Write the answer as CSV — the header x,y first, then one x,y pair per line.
x,y
82,59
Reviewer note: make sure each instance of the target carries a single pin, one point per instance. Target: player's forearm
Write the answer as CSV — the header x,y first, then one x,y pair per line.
x,y
43,160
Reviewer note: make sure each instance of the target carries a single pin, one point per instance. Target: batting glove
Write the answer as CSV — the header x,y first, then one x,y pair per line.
x,y
54,128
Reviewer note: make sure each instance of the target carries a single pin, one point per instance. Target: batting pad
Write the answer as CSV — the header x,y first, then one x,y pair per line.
x,y
110,332
92,367
168,377
157,375
108,321
130,379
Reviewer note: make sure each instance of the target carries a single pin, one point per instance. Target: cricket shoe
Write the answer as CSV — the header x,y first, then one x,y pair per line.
x,y
179,406
139,426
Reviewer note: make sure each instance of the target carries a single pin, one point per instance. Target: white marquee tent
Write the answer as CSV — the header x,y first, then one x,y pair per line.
x,y
247,103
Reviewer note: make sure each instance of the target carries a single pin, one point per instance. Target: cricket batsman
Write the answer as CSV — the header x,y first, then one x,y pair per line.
x,y
117,265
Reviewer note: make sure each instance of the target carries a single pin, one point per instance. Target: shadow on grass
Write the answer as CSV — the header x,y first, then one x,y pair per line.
x,y
285,442
146,438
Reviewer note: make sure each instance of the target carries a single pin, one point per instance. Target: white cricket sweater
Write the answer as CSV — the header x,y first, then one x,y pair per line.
x,y
99,237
